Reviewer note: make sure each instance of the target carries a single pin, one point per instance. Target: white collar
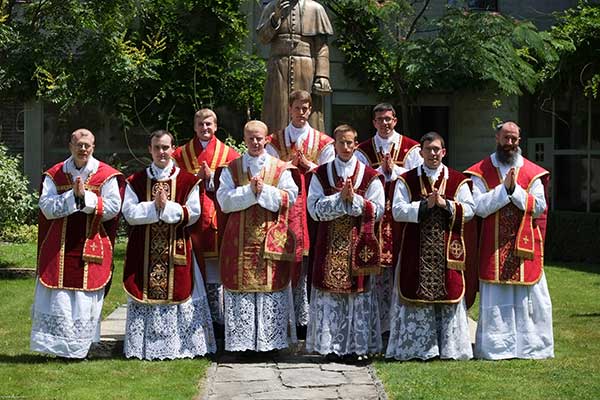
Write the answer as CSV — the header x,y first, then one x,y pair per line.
x,y
386,143
160,174
90,167
433,174
294,134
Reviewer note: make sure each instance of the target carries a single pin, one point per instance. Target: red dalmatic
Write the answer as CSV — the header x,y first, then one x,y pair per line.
x,y
512,241
189,157
75,252
158,264
312,147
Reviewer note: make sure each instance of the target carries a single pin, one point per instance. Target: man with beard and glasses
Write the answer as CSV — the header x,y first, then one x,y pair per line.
x,y
515,311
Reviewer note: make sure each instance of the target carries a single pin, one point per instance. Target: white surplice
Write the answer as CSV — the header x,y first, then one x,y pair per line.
x,y
257,321
296,137
344,323
384,282
67,322
515,321
167,331
425,331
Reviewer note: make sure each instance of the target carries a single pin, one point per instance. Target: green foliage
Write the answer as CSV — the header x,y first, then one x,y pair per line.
x,y
391,48
240,146
19,233
579,65
17,203
150,62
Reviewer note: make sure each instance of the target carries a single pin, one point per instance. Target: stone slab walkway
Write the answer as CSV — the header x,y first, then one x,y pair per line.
x,y
290,374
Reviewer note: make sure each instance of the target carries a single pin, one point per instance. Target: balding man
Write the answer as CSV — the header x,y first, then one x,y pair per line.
x,y
79,203
515,311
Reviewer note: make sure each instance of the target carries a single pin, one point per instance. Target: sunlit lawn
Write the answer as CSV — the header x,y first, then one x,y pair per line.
x,y
574,373
24,374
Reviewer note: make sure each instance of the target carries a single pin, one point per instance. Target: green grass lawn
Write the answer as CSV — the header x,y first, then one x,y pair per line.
x,y
18,255
574,373
28,375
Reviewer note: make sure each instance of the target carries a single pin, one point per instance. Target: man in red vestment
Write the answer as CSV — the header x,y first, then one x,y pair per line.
x,y
201,156
346,198
433,201
167,313
515,311
391,154
306,148
79,204
256,191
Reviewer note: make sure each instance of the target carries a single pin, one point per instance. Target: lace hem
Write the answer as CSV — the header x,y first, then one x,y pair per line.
x,y
384,288
169,331
259,321
427,331
344,323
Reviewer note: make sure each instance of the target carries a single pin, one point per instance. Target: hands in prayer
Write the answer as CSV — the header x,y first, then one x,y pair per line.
x,y
160,201
347,191
300,160
205,172
387,163
256,183
78,189
435,199
509,181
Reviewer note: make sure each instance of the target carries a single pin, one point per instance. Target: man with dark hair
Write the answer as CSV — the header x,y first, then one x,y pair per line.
x,y
168,315
201,156
346,198
391,154
434,202
79,203
515,311
306,148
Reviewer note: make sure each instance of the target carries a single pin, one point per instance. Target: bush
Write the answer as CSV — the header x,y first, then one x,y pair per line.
x,y
18,205
19,234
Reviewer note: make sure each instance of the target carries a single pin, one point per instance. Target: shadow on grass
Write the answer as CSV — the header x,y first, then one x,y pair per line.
x,y
586,315
589,268
37,359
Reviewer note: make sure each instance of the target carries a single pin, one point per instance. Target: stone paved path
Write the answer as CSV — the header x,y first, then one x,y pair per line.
x,y
287,375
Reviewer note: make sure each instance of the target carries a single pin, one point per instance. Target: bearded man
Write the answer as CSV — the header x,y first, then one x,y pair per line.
x,y
515,311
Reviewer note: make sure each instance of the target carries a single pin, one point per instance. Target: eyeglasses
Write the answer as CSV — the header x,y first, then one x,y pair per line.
x,y
384,119
82,146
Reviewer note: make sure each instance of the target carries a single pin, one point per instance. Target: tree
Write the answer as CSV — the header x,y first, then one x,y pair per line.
x,y
149,62
393,49
579,65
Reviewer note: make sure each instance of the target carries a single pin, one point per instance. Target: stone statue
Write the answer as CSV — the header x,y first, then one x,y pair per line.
x,y
299,59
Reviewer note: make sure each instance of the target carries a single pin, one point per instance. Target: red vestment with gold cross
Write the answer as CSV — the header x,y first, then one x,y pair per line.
x,y
260,247
387,226
433,272
158,263
346,250
189,157
75,252
312,146
511,241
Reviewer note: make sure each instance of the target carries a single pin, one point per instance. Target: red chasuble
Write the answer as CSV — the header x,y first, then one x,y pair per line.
x,y
432,272
387,227
511,241
158,264
344,254
189,157
312,147
258,247
75,252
